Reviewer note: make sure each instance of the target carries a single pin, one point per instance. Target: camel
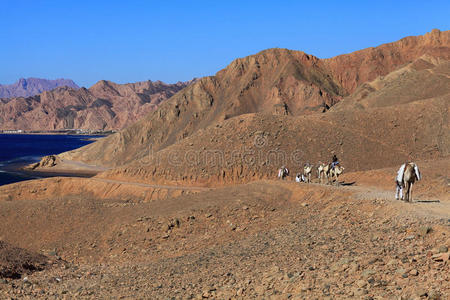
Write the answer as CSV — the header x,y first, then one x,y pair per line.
x,y
323,171
336,171
307,170
411,174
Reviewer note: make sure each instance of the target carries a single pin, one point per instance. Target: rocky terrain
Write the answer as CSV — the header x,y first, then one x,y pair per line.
x,y
185,204
266,239
104,106
33,86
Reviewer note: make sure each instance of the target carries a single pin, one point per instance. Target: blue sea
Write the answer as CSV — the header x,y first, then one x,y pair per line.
x,y
17,150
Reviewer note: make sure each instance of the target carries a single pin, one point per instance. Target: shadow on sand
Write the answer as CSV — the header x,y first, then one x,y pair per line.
x,y
428,201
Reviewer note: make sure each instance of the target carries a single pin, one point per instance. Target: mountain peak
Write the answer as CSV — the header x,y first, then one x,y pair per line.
x,y
26,87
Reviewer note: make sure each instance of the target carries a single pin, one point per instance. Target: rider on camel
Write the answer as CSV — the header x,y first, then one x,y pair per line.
x,y
334,161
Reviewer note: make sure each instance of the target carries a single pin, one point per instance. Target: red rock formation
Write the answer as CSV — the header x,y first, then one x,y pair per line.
x,y
106,105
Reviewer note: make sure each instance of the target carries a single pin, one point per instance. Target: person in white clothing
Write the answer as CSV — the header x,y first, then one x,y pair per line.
x,y
283,172
399,182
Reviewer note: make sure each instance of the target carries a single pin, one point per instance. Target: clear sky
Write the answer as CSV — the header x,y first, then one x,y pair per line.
x,y
128,41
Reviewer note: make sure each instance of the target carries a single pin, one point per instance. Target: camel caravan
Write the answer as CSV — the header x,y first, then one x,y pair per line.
x,y
407,175
324,171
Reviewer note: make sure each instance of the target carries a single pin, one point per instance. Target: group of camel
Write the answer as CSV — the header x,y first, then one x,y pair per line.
x,y
407,175
324,172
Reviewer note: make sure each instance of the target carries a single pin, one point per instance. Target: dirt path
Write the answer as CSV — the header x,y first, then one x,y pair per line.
x,y
420,206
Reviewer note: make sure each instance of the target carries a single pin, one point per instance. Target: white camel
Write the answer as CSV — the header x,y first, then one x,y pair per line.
x,y
322,171
307,170
336,171
407,175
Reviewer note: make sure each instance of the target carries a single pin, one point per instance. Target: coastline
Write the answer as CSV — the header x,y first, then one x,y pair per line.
x,y
24,149
20,169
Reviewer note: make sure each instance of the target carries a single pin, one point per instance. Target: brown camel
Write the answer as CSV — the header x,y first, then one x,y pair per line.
x,y
410,176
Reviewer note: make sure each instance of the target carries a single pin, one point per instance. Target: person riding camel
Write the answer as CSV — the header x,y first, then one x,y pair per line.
x,y
334,161
399,182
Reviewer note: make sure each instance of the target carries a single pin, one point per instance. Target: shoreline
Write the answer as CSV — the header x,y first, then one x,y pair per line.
x,y
20,168
18,171
60,173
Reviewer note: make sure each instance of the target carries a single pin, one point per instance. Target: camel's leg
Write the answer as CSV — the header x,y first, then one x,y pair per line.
x,y
406,193
410,192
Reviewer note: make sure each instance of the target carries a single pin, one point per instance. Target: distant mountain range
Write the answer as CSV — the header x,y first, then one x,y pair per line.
x,y
33,86
104,106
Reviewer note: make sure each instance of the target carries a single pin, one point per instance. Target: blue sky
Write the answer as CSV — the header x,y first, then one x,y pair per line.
x,y
128,41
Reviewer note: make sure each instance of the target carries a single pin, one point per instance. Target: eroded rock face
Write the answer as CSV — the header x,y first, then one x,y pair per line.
x,y
104,106
46,162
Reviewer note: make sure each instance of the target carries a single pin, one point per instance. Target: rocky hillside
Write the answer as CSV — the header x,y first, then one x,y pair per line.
x,y
104,106
275,82
262,240
33,86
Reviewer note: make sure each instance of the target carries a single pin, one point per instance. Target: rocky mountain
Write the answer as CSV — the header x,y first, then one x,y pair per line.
x,y
33,86
104,106
284,85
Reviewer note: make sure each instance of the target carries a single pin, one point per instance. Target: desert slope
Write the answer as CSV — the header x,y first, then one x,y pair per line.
x,y
275,81
351,70
425,78
395,118
254,146
104,106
